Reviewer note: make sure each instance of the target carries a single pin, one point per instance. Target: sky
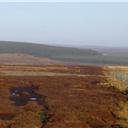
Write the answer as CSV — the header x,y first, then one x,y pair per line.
x,y
65,23
63,0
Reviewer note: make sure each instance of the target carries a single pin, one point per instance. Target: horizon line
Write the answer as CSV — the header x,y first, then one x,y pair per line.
x,y
59,45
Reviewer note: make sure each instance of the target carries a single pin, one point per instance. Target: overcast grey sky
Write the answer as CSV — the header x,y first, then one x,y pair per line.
x,y
65,23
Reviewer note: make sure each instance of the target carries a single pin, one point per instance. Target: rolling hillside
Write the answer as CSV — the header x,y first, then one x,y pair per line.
x,y
44,50
38,53
30,53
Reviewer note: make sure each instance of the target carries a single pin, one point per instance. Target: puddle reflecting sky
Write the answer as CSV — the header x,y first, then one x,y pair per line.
x,y
22,95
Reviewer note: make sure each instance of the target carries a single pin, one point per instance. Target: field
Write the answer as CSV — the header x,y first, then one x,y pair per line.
x,y
62,96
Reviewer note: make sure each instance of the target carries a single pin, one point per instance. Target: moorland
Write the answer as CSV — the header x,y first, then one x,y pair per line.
x,y
62,96
45,86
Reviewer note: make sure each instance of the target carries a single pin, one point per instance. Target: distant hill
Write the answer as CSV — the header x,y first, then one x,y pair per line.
x,y
30,53
45,51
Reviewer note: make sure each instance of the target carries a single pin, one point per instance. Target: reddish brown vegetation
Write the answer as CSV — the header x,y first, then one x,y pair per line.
x,y
74,102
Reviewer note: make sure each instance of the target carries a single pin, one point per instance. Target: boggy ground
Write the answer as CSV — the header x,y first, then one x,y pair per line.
x,y
68,101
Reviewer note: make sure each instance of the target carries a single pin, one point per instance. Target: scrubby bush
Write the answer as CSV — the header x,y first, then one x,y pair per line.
x,y
43,117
